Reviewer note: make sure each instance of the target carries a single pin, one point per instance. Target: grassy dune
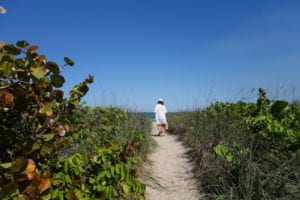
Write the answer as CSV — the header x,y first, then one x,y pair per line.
x,y
244,150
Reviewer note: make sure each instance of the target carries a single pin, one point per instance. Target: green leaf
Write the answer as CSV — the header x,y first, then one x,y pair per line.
x,y
35,146
68,61
277,107
1,55
26,64
298,116
48,137
126,189
70,195
90,79
45,150
38,72
57,80
20,164
95,159
8,58
47,197
6,165
20,63
92,181
136,160
229,157
22,43
221,150
47,107
8,190
99,188
112,170
6,69
12,49
53,67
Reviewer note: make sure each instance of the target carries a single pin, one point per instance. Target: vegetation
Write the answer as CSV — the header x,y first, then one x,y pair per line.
x,y
54,147
244,150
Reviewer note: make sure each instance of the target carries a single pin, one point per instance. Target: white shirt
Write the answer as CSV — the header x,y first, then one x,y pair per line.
x,y
160,114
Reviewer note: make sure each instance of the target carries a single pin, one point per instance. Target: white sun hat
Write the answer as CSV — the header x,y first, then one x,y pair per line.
x,y
160,99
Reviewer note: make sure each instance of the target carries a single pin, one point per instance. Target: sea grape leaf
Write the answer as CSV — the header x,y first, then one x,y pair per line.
x,y
33,48
32,189
47,108
58,95
53,67
38,72
90,79
20,164
22,43
20,64
12,49
68,61
6,99
45,184
6,165
8,58
6,69
48,137
57,80
2,44
7,190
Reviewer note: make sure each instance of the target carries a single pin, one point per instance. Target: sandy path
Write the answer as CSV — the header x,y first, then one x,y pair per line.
x,y
171,171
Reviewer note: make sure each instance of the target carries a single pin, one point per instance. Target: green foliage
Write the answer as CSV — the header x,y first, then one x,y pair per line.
x,y
30,105
55,148
31,126
244,150
115,177
110,155
224,151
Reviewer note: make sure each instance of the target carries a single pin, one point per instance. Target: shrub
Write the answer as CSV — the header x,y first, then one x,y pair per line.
x,y
54,147
245,150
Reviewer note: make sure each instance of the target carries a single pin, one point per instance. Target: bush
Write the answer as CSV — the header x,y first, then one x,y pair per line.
x,y
245,150
54,147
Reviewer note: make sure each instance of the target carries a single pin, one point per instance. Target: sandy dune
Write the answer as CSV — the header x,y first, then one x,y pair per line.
x,y
171,171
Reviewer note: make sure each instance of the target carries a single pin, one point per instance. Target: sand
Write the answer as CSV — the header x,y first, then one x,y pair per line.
x,y
170,170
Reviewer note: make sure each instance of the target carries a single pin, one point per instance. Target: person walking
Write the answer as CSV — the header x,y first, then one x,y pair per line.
x,y
160,111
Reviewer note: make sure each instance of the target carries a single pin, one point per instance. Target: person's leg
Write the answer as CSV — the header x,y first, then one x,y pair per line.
x,y
159,129
163,128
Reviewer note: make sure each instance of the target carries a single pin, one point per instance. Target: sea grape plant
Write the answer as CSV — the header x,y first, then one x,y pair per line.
x,y
33,117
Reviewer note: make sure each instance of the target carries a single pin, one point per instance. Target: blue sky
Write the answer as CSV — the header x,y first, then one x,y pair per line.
x,y
188,52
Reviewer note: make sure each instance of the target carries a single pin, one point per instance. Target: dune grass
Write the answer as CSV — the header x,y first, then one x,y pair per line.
x,y
244,150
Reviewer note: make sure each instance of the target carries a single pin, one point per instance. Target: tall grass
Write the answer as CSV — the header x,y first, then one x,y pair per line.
x,y
102,126
235,154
